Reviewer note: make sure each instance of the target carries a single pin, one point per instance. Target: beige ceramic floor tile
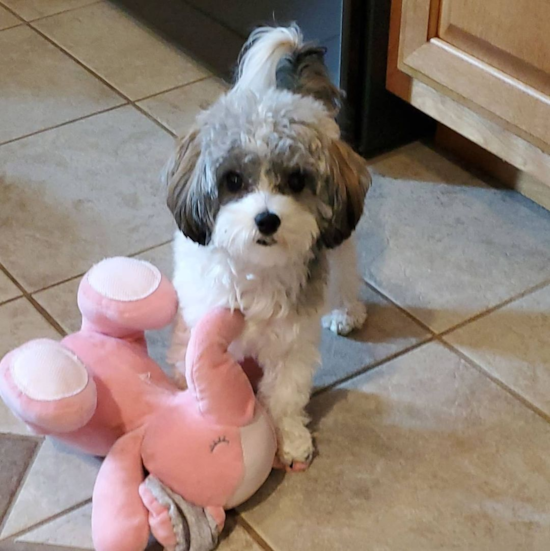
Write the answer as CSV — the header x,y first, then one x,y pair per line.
x,y
58,479
16,454
34,9
71,530
423,454
445,246
73,195
236,538
129,56
61,303
19,323
42,87
177,109
12,545
7,19
7,289
512,344
386,332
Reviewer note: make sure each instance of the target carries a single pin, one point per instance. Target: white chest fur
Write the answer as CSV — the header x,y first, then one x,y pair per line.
x,y
205,278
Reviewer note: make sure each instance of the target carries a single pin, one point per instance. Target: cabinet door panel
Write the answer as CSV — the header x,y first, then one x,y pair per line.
x,y
510,35
491,55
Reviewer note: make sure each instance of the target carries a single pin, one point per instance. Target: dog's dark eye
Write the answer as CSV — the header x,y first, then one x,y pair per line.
x,y
233,181
297,181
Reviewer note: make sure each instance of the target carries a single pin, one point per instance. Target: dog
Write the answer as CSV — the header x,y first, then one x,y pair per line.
x,y
266,196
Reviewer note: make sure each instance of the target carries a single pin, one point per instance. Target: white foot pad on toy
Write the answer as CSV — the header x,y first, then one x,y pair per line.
x,y
124,279
46,371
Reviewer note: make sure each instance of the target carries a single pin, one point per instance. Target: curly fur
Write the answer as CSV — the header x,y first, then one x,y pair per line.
x,y
267,135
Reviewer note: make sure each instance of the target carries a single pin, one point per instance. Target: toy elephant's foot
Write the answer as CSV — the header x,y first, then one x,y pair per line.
x,y
124,296
48,387
175,523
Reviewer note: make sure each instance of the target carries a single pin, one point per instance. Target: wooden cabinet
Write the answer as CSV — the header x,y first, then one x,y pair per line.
x,y
482,68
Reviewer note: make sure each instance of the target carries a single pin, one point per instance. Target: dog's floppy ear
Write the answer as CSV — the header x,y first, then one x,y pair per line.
x,y
349,181
188,195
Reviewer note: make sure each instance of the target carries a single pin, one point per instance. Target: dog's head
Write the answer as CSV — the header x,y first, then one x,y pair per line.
x,y
266,178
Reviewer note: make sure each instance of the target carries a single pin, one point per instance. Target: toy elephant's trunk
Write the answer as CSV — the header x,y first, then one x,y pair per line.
x,y
221,388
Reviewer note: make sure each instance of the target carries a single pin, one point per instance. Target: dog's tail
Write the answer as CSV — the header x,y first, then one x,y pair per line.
x,y
261,55
277,57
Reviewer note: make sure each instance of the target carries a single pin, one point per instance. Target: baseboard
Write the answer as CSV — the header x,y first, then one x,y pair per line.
x,y
503,172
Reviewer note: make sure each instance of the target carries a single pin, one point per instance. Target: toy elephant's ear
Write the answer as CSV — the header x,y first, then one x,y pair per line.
x,y
123,296
221,388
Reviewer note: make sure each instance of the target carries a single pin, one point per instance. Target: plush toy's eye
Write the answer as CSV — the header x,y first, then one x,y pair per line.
x,y
297,181
233,181
217,442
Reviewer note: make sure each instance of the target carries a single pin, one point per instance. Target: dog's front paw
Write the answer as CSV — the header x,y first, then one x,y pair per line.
x,y
343,321
296,447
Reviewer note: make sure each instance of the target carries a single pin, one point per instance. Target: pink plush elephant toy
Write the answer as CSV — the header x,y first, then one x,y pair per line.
x,y
206,449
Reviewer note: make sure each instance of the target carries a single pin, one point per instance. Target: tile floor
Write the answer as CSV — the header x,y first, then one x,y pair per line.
x,y
432,422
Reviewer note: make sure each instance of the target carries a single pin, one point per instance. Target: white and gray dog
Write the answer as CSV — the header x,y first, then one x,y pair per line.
x,y
266,196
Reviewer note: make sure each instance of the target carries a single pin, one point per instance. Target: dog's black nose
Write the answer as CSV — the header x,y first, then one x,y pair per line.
x,y
268,222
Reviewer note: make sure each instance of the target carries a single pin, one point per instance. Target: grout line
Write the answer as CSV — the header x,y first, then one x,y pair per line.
x,y
44,521
125,99
22,482
467,321
361,371
492,309
55,126
152,119
74,8
440,338
45,314
3,303
102,79
76,60
79,275
253,533
147,249
509,390
374,365
13,13
177,87
17,25
58,283
40,18
404,311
